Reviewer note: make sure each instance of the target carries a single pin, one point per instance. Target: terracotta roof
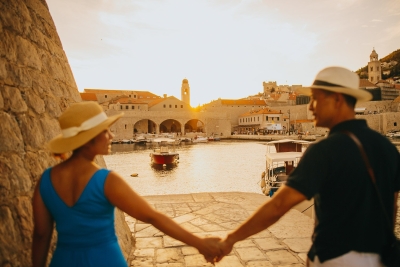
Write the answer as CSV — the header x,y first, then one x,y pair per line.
x,y
155,102
261,111
88,97
397,99
366,83
140,94
230,102
126,100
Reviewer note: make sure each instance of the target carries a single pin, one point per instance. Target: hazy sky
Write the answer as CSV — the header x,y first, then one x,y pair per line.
x,y
225,48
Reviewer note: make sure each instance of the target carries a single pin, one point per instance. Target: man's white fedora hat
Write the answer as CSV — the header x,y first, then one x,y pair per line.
x,y
338,80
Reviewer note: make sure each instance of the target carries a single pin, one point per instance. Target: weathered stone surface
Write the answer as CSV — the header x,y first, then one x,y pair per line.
x,y
9,131
27,54
3,70
230,261
52,108
268,243
298,244
168,255
9,238
35,102
36,85
13,100
252,253
281,257
31,131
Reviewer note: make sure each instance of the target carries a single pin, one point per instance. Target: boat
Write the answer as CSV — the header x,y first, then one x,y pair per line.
x,y
164,154
200,139
281,158
141,140
214,137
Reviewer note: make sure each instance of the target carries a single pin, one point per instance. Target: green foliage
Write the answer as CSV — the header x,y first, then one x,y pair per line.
x,y
394,71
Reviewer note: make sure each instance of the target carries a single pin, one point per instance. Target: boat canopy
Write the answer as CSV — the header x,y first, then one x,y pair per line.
x,y
283,156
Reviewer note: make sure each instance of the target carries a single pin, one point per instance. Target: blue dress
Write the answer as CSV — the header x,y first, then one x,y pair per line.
x,y
86,234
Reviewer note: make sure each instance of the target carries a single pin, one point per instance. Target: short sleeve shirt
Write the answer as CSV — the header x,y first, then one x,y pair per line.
x,y
332,171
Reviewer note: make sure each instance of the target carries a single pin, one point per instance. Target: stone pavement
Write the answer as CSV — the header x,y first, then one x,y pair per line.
x,y
216,214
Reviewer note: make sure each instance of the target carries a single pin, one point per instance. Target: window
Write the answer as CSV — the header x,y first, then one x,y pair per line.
x,y
266,118
105,96
277,118
133,107
395,124
129,95
170,106
126,107
372,68
164,105
125,126
176,106
121,106
181,106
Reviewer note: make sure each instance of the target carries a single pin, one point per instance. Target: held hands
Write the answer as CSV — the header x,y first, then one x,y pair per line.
x,y
214,249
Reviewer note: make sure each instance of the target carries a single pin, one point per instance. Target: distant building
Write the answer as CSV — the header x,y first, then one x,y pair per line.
x,y
372,88
374,68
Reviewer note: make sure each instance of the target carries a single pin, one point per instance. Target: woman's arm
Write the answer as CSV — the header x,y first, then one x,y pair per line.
x,y
43,230
120,194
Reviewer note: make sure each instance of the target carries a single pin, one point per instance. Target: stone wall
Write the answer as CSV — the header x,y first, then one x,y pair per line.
x,y
36,85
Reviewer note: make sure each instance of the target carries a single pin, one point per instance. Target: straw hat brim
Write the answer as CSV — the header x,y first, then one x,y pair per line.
x,y
359,94
60,145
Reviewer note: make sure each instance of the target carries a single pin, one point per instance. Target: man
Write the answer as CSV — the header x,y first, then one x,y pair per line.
x,y
350,228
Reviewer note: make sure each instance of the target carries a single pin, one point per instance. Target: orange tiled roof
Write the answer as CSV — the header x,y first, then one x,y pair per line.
x,y
140,94
231,102
88,97
126,100
156,101
366,83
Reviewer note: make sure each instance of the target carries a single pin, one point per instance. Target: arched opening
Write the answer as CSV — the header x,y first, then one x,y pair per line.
x,y
144,126
170,126
194,125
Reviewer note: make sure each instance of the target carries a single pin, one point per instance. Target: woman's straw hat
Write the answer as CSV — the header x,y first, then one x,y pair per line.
x,y
338,80
80,123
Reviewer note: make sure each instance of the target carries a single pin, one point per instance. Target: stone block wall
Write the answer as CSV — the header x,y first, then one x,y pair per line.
x,y
36,85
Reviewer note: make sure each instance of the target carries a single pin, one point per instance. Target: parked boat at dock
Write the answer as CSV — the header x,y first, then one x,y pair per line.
x,y
281,158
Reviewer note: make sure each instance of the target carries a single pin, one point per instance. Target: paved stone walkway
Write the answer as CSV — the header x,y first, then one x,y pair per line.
x,y
216,214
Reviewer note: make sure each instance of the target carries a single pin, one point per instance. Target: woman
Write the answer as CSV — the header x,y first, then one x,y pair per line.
x,y
80,197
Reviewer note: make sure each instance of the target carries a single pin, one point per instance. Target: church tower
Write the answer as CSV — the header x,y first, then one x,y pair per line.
x,y
374,68
185,91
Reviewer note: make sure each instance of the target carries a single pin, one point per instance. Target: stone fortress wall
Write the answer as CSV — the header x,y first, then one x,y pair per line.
x,y
36,85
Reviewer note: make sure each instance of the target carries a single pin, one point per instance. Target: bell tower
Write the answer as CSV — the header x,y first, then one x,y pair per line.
x,y
374,68
185,91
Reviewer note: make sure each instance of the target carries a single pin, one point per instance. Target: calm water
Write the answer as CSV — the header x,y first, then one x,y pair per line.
x,y
222,166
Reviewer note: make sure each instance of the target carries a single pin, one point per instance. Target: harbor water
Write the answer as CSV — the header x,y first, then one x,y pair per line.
x,y
219,166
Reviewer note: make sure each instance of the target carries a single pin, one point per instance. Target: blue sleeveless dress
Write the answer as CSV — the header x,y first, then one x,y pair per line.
x,y
86,234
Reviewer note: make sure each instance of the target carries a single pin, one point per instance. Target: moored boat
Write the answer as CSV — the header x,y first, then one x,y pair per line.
x,y
164,154
281,158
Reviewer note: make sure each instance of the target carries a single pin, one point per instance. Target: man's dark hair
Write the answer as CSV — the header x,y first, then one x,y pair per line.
x,y
351,101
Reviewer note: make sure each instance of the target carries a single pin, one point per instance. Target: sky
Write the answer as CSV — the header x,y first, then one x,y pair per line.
x,y
225,48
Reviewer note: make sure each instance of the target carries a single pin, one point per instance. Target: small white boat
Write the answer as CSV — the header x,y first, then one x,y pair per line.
x,y
200,139
281,158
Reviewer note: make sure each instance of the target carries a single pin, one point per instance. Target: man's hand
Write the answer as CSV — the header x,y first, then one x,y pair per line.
x,y
211,249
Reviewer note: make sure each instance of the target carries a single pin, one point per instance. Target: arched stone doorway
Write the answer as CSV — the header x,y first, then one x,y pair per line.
x,y
144,126
194,125
170,126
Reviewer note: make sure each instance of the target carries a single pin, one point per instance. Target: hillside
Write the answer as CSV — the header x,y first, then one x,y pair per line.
x,y
394,69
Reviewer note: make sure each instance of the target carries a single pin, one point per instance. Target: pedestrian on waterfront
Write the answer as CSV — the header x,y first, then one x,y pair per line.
x,y
80,198
350,226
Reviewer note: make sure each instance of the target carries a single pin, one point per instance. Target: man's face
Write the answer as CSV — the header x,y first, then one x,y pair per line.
x,y
322,105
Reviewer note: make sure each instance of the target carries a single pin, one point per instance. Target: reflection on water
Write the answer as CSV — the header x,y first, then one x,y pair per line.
x,y
224,166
